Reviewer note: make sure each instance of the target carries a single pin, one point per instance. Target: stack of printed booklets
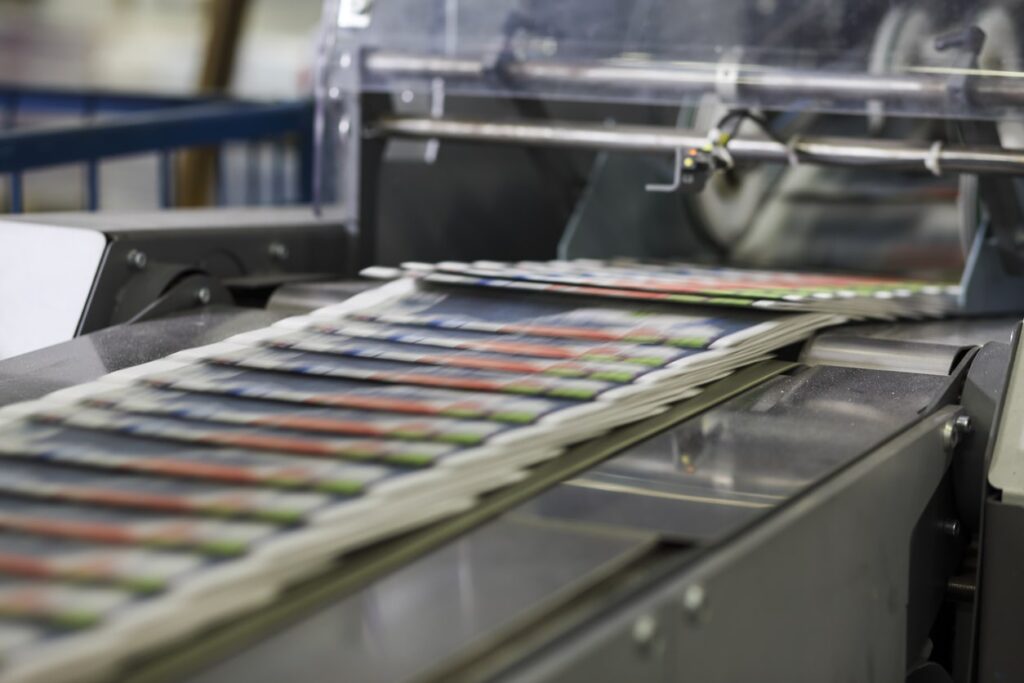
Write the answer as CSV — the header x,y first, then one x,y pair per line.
x,y
159,500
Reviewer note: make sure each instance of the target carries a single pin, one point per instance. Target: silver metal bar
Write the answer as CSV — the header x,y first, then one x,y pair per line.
x,y
826,151
678,77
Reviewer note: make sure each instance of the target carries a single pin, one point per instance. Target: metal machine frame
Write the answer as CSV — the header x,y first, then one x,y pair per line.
x,y
364,118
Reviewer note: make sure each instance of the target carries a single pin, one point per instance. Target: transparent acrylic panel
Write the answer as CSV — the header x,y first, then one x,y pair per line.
x,y
855,56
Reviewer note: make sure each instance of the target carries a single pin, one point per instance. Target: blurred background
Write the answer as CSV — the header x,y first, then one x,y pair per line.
x,y
252,49
155,45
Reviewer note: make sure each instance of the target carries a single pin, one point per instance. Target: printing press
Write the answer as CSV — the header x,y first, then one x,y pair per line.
x,y
850,510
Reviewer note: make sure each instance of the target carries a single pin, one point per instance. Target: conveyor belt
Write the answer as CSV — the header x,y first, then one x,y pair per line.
x,y
685,489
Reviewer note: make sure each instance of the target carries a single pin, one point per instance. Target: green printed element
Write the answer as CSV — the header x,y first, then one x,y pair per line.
x,y
462,412
411,459
221,511
690,342
136,584
143,584
73,620
523,389
342,488
279,516
718,301
411,434
602,358
223,548
643,339
569,392
565,372
358,453
615,376
462,438
514,416
649,361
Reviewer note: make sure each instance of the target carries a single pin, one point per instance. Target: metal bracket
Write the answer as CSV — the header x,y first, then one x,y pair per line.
x,y
727,75
689,173
987,285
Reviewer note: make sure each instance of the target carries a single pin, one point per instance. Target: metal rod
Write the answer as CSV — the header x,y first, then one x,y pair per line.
x,y
826,151
178,127
92,185
765,83
279,160
165,164
17,196
253,162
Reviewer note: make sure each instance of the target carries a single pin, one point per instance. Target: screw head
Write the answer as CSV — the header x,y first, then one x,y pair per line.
x,y
278,251
963,423
203,295
644,630
137,259
950,527
950,435
694,599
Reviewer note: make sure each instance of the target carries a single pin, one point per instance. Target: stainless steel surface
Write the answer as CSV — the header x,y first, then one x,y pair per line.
x,y
826,151
698,483
86,358
845,350
690,77
454,599
301,297
953,332
711,475
826,589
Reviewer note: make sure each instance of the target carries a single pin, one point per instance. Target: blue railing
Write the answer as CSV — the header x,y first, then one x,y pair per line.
x,y
113,125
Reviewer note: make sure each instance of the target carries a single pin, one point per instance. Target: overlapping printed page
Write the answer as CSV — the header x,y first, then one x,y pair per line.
x,y
163,498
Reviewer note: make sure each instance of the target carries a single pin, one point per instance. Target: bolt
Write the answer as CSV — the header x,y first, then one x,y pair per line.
x,y
963,424
954,430
644,630
203,295
137,259
950,435
346,60
344,126
961,589
694,599
278,251
950,527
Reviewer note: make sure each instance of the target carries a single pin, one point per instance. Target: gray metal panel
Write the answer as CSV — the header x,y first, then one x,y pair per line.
x,y
711,475
184,219
818,592
90,356
456,598
954,331
1001,624
249,249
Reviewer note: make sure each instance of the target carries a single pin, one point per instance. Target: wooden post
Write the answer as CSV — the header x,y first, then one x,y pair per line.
x,y
196,167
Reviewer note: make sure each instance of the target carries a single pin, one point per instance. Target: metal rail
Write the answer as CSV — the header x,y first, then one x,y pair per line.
x,y
765,83
824,151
